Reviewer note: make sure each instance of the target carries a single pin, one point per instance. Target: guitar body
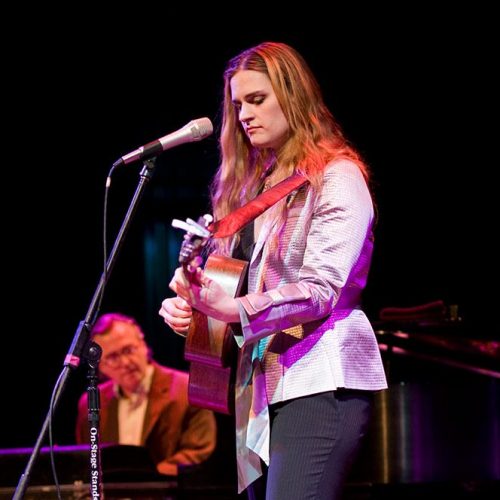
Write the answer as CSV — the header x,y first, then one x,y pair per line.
x,y
210,347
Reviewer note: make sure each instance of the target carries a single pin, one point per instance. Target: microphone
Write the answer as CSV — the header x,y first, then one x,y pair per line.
x,y
195,130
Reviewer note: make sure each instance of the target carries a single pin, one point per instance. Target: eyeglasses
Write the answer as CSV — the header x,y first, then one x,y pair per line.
x,y
113,359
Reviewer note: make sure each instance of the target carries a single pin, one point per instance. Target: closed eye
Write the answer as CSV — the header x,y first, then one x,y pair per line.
x,y
253,98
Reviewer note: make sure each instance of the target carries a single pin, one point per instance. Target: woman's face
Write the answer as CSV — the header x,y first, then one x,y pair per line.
x,y
258,109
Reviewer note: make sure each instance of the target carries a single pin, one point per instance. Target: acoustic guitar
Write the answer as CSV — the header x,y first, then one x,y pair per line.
x,y
210,346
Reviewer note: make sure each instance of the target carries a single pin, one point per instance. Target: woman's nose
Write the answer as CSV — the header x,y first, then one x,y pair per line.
x,y
246,114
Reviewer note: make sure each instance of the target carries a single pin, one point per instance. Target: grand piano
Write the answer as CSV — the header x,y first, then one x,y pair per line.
x,y
438,424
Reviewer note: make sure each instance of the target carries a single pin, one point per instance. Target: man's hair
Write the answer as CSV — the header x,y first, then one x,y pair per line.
x,y
105,322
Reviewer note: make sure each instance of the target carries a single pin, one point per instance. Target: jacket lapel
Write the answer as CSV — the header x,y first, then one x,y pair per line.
x,y
109,414
156,401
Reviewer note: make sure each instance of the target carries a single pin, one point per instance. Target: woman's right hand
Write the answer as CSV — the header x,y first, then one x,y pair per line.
x,y
176,313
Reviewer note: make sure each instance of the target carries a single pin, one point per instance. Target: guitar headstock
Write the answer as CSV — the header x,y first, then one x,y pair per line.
x,y
196,237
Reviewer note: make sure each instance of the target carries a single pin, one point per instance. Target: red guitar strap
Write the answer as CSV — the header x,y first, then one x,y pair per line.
x,y
233,222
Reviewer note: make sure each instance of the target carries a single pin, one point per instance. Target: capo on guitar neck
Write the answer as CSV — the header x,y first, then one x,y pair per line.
x,y
195,228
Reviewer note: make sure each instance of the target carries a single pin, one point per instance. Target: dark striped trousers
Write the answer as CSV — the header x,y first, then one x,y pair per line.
x,y
314,441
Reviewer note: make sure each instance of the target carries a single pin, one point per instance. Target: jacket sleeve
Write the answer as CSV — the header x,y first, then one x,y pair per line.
x,y
82,427
339,227
197,441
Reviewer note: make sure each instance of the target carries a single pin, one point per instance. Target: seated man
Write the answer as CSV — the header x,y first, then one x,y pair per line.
x,y
144,403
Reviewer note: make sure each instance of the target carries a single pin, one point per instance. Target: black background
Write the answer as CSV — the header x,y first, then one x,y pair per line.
x,y
83,88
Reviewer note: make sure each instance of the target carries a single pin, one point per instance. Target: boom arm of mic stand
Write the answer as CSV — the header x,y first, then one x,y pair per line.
x,y
81,337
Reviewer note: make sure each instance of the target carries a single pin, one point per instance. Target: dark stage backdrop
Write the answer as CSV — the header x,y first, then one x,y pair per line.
x,y
91,88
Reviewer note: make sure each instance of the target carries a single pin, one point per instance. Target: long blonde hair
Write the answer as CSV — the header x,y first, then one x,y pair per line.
x,y
314,139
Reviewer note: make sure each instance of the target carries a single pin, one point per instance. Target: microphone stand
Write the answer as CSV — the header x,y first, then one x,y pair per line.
x,y
93,404
80,341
